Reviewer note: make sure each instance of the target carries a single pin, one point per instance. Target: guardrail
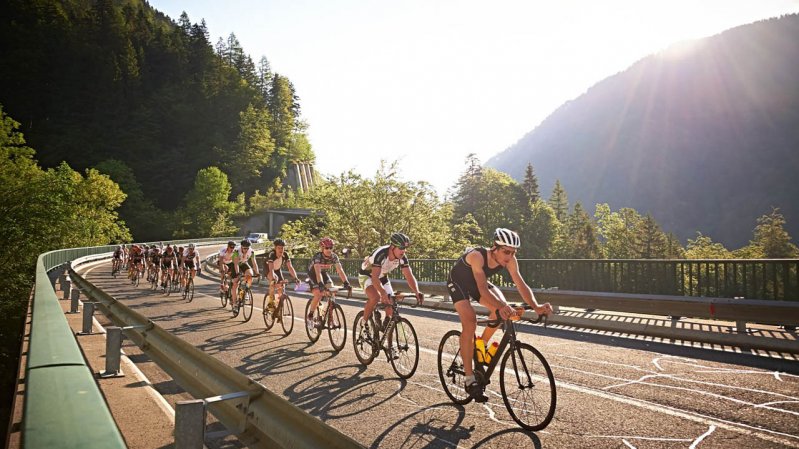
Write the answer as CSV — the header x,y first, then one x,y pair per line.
x,y
56,372
771,279
260,417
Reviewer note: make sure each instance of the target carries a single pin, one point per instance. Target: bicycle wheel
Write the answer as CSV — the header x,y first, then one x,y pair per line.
x,y
450,367
403,348
285,314
136,279
235,303
314,331
190,289
269,316
223,297
337,327
364,339
246,304
528,387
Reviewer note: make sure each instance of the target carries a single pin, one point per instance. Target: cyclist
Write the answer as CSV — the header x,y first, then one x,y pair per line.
x,y
317,272
135,264
116,262
242,256
168,259
468,279
373,274
225,262
191,263
275,260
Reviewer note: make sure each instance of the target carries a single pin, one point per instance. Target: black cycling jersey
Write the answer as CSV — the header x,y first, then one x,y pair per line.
x,y
461,283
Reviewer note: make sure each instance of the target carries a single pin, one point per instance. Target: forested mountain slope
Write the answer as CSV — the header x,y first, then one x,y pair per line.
x,y
705,137
102,82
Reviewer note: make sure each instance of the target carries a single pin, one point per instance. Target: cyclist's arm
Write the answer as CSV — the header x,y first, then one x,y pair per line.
x,y
525,291
341,274
254,263
291,269
411,279
270,270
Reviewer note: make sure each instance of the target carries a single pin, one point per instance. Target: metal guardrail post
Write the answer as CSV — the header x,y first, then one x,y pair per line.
x,y
113,352
190,424
88,316
740,327
73,305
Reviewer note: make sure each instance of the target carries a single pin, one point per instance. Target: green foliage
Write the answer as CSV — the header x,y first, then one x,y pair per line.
x,y
362,213
530,185
539,231
559,201
252,152
703,247
771,237
208,209
578,237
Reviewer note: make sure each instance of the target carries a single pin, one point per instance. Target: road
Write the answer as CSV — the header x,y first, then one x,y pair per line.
x,y
612,392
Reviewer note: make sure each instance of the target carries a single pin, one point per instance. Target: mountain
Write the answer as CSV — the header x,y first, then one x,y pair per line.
x,y
705,136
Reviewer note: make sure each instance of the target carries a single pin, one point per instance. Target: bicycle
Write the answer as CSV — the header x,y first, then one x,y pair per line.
x,y
225,292
243,301
166,284
330,316
525,378
188,289
283,311
398,340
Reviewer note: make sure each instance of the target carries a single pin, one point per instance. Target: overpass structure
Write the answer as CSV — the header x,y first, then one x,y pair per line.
x,y
56,368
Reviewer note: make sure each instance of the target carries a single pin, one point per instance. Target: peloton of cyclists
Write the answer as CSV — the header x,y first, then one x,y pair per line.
x,y
373,274
318,268
468,280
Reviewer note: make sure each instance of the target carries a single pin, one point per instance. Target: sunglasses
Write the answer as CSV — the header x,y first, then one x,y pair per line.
x,y
509,252
327,247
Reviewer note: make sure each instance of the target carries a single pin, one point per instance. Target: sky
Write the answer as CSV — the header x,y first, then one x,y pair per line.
x,y
427,82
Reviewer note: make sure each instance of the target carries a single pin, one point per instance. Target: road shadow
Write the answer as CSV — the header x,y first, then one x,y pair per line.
x,y
510,438
430,427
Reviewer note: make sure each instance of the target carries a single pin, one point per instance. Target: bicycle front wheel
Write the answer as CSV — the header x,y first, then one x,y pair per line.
x,y
269,316
285,314
403,348
190,289
450,367
337,328
246,304
364,339
528,387
312,329
223,297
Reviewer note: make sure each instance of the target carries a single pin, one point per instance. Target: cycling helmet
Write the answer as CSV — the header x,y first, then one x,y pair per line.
x,y
506,237
245,243
231,243
327,242
400,240
279,242
191,245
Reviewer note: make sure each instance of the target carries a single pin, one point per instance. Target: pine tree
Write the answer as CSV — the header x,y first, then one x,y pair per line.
x,y
650,239
559,201
771,236
530,184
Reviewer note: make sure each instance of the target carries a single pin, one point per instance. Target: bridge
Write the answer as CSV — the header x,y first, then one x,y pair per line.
x,y
624,378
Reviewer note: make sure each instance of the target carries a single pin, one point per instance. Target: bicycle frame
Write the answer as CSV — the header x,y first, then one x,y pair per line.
x,y
508,339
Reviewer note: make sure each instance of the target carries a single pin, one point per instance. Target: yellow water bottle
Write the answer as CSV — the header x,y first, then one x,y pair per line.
x,y
481,349
491,352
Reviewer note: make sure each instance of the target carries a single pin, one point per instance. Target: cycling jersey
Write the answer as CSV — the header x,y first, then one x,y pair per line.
x,y
225,256
325,262
277,262
461,283
380,258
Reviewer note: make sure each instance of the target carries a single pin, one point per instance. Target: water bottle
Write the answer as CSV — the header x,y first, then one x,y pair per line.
x,y
481,349
491,352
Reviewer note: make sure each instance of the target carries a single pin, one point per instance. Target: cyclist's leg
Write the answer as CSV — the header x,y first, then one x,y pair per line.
x,y
468,319
372,298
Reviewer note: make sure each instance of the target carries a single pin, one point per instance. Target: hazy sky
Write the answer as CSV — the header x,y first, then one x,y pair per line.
x,y
426,82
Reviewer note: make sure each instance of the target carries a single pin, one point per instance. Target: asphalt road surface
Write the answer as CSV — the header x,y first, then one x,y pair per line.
x,y
612,392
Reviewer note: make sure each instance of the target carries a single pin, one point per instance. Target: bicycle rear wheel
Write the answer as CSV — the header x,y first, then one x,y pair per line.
x,y
246,304
364,339
190,287
528,387
337,327
285,313
403,347
450,367
235,303
223,296
314,331
269,316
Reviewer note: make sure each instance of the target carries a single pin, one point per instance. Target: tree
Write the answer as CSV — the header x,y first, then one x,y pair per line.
x,y
771,237
578,237
559,201
530,184
618,229
208,209
703,247
650,239
538,231
252,152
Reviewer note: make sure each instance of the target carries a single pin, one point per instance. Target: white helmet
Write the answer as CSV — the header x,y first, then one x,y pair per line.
x,y
191,245
506,237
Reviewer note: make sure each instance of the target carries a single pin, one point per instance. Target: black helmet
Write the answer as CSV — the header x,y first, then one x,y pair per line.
x,y
400,240
279,242
245,243
231,243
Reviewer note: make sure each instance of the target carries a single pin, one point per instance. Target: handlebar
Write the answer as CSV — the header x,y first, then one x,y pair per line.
x,y
516,317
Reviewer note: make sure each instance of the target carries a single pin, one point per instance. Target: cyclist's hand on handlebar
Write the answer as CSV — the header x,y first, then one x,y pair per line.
x,y
321,286
544,309
419,298
347,285
506,311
